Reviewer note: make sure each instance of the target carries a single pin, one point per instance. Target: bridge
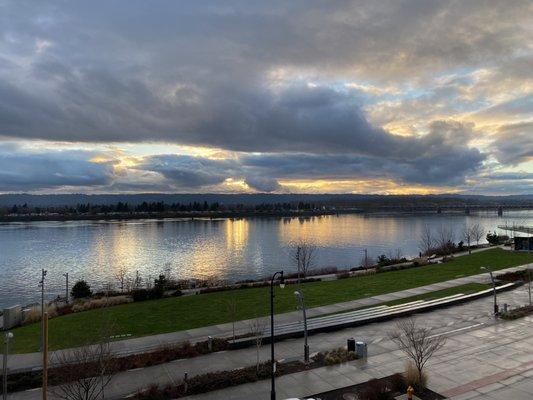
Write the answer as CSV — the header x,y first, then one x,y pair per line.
x,y
517,228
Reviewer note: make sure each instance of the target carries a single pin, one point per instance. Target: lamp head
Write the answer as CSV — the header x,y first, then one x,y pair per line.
x,y
281,280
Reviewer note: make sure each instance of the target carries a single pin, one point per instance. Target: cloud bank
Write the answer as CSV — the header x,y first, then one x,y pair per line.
x,y
427,93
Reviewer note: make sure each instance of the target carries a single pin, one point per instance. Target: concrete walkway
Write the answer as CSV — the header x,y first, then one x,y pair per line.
x,y
482,354
32,361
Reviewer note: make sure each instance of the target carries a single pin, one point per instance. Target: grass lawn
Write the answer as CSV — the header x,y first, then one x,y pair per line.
x,y
180,313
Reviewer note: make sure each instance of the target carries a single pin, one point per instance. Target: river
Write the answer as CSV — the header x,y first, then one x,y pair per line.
x,y
231,249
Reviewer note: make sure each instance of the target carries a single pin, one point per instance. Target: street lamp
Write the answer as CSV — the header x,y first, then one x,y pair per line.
x,y
300,296
66,287
272,362
493,287
7,338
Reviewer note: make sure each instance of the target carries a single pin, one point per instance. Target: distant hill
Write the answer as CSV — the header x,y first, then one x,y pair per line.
x,y
344,200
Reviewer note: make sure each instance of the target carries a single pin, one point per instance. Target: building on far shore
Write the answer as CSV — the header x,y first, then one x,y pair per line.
x,y
523,243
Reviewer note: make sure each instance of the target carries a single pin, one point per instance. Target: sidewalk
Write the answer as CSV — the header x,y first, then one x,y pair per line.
x,y
32,361
479,351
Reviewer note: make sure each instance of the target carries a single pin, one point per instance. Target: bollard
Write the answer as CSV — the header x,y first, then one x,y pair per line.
x,y
410,392
210,343
185,382
505,306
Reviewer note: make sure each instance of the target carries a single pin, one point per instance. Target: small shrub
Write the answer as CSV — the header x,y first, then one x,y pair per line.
x,y
64,310
412,378
80,290
34,314
139,294
343,275
100,303
494,239
336,356
517,313
147,294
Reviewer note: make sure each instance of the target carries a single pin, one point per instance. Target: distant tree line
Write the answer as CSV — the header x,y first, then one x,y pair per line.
x,y
154,207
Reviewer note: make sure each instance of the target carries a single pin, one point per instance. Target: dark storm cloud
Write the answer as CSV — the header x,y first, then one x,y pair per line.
x,y
21,169
514,144
188,171
198,72
262,184
439,157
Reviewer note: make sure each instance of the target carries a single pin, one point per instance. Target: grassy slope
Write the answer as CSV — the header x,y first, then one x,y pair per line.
x,y
174,314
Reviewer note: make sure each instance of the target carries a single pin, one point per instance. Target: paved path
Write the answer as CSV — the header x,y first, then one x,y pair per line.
x,y
146,343
480,349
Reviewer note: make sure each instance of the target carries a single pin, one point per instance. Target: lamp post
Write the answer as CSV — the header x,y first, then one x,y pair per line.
x,y
300,296
7,338
272,362
66,287
493,287
529,285
41,285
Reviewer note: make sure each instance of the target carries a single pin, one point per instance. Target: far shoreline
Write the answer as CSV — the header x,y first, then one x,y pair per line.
x,y
126,216
168,215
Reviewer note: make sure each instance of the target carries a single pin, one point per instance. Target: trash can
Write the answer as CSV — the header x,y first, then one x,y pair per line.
x,y
361,349
351,344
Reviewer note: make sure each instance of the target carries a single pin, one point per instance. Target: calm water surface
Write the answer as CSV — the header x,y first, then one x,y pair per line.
x,y
225,248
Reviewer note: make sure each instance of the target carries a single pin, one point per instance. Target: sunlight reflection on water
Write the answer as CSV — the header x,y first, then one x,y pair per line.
x,y
231,249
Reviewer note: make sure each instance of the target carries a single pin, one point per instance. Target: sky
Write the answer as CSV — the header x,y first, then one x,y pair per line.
x,y
388,97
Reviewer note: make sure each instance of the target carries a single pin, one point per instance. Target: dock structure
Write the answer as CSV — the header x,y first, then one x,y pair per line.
x,y
517,228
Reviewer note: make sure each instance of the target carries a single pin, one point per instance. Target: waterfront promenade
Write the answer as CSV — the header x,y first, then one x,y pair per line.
x,y
480,349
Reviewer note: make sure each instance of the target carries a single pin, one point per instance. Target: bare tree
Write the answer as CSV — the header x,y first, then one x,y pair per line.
x,y
129,284
467,236
85,371
231,306
366,260
137,283
417,343
121,276
426,242
257,328
477,232
303,256
445,239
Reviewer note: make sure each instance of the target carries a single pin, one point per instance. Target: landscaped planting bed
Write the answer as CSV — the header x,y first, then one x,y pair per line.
x,y
377,389
223,379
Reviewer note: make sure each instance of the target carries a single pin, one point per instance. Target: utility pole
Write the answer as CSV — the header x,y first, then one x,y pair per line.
x,y
66,287
8,336
45,357
41,285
